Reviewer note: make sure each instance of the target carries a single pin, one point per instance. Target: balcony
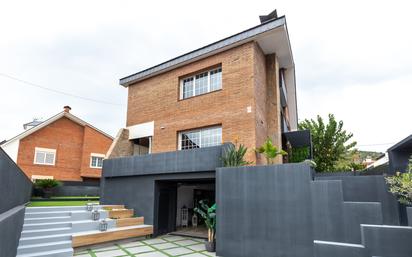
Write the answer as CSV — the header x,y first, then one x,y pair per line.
x,y
194,160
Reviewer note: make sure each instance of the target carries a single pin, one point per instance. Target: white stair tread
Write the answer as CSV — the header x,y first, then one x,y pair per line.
x,y
68,251
45,244
44,237
110,230
48,218
45,230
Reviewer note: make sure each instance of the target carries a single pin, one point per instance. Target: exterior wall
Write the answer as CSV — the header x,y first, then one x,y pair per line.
x,y
93,142
121,145
72,159
15,189
157,99
12,149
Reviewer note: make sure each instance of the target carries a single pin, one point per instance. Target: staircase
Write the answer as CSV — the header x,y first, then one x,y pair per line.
x,y
361,224
54,231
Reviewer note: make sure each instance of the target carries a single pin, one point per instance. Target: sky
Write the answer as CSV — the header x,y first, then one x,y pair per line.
x,y
352,58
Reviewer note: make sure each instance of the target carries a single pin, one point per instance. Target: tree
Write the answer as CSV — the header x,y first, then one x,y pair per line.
x,y
330,141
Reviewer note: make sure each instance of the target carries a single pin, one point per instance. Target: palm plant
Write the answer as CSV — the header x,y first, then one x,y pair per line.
x,y
46,185
234,156
209,216
270,151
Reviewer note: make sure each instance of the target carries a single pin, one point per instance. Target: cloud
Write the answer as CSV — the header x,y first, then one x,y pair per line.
x,y
352,58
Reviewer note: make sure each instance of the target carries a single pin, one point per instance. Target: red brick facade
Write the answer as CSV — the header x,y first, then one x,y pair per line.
x,y
73,143
249,80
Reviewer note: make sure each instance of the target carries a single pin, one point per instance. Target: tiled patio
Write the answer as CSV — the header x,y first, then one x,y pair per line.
x,y
157,247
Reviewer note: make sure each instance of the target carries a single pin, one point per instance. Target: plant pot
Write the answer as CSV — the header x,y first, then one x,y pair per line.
x,y
210,246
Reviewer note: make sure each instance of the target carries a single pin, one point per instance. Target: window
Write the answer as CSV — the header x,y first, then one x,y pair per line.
x,y
201,83
44,156
200,138
96,160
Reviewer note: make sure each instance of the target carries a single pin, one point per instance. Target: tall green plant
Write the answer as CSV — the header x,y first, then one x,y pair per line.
x,y
270,151
209,216
330,141
234,156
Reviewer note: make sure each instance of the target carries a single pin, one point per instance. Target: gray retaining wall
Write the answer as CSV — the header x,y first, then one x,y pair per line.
x,y
15,191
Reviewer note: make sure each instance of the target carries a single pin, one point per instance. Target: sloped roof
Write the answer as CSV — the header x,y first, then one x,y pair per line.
x,y
51,120
271,35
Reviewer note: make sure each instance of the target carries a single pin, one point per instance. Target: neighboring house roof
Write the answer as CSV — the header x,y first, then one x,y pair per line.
x,y
405,143
51,120
271,35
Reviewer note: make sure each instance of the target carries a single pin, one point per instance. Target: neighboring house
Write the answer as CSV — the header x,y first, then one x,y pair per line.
x,y
62,147
239,89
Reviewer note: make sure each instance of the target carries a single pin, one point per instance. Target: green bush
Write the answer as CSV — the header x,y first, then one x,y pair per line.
x,y
234,157
401,185
299,154
46,183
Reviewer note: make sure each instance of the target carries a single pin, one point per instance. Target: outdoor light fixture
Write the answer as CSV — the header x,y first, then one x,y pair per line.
x,y
103,225
89,207
194,220
95,215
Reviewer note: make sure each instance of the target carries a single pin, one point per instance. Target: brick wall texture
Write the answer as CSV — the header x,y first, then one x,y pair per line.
x,y
249,79
73,143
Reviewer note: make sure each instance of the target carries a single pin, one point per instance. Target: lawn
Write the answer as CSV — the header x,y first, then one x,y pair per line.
x,y
59,203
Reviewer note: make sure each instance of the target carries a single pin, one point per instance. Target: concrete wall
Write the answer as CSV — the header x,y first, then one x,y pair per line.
x,y
369,189
15,189
264,211
409,213
279,210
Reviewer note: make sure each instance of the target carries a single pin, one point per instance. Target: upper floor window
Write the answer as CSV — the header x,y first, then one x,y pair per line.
x,y
96,160
44,156
200,138
201,83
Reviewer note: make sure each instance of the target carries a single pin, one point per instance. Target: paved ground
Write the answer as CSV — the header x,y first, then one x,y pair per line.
x,y
156,247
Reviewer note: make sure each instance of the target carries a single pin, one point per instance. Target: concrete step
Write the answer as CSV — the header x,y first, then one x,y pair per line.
x,y
87,215
42,239
96,236
66,252
47,219
41,214
43,247
47,225
86,225
384,240
338,249
58,208
45,232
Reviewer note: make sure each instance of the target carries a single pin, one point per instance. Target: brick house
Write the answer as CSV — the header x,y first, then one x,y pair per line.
x,y
62,147
241,88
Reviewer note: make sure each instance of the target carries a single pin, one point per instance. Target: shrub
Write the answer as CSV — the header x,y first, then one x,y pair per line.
x,y
401,186
46,183
234,156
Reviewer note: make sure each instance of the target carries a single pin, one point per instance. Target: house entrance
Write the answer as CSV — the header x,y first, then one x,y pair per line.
x,y
175,206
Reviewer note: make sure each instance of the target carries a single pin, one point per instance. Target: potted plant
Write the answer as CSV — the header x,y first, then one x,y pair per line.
x,y
270,151
46,185
209,216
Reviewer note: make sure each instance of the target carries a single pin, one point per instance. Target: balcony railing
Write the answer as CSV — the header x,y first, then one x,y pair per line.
x,y
194,160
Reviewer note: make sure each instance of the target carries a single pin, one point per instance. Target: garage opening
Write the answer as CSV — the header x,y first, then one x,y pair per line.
x,y
176,201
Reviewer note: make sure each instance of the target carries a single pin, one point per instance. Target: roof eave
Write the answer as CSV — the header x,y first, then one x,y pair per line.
x,y
206,51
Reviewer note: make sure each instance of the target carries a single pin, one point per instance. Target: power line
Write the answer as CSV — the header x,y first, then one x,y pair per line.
x,y
58,91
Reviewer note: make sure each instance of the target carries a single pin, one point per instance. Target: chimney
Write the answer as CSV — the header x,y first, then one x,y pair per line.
x,y
271,16
67,108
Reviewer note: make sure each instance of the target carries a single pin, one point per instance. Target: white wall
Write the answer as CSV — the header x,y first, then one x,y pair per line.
x,y
12,149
